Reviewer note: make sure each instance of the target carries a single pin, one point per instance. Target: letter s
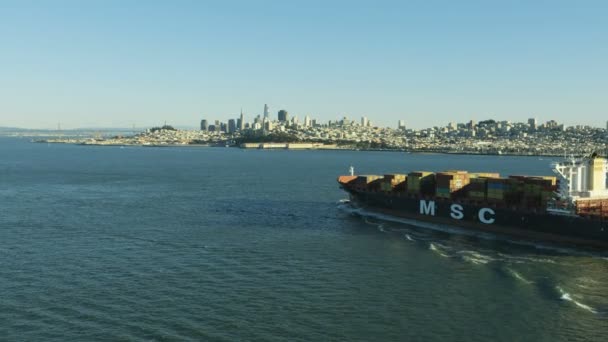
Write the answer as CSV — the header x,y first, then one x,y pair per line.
x,y
456,211
483,218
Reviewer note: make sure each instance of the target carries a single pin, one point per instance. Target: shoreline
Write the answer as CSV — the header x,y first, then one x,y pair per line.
x,y
319,147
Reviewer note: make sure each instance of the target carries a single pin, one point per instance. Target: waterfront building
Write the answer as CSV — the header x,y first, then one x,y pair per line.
x,y
242,121
283,115
204,125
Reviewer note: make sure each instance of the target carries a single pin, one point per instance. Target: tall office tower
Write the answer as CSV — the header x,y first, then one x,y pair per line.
x,y
242,121
364,121
401,124
283,115
217,125
204,125
307,121
532,123
607,125
266,111
231,126
295,120
471,124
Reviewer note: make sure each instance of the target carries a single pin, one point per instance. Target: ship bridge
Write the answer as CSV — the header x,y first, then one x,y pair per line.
x,y
583,178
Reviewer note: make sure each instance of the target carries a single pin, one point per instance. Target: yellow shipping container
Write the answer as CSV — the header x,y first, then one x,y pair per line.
x,y
485,175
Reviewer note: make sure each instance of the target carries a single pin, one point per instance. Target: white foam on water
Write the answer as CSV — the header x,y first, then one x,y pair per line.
x,y
407,236
476,255
518,276
474,260
437,250
522,259
567,297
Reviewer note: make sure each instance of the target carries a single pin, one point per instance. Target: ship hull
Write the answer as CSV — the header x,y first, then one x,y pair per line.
x,y
526,225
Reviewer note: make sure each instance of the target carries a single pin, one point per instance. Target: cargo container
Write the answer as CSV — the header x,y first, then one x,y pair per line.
x,y
484,175
420,182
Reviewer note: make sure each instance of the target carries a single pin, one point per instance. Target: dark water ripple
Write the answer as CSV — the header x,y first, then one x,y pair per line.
x,y
223,244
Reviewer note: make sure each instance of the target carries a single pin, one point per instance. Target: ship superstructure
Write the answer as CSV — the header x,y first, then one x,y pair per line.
x,y
583,185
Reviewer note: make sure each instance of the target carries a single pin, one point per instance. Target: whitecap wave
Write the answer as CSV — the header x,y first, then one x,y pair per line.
x,y
524,259
518,276
434,248
474,260
475,257
567,297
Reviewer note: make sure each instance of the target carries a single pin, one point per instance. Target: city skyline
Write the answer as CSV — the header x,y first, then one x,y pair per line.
x,y
116,64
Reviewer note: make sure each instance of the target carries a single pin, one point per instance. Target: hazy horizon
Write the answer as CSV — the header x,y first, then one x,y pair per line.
x,y
119,64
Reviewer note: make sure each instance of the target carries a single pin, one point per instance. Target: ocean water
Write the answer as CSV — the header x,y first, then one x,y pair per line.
x,y
222,244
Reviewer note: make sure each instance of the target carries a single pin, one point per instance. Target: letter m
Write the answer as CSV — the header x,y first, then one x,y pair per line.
x,y
427,208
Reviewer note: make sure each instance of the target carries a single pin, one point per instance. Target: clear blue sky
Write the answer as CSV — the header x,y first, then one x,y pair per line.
x,y
119,63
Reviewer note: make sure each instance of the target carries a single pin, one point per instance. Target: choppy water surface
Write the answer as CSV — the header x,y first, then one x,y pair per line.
x,y
110,243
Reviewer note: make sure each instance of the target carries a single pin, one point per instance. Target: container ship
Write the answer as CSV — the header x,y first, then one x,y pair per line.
x,y
570,207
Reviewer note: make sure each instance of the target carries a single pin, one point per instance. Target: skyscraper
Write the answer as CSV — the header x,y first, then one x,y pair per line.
x,y
242,121
283,115
532,123
266,111
364,121
401,124
231,126
268,125
307,121
204,125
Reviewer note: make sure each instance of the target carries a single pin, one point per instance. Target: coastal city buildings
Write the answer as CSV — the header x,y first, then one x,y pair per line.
x,y
483,137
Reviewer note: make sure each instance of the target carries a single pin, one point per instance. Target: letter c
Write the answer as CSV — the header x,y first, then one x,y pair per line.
x,y
483,218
